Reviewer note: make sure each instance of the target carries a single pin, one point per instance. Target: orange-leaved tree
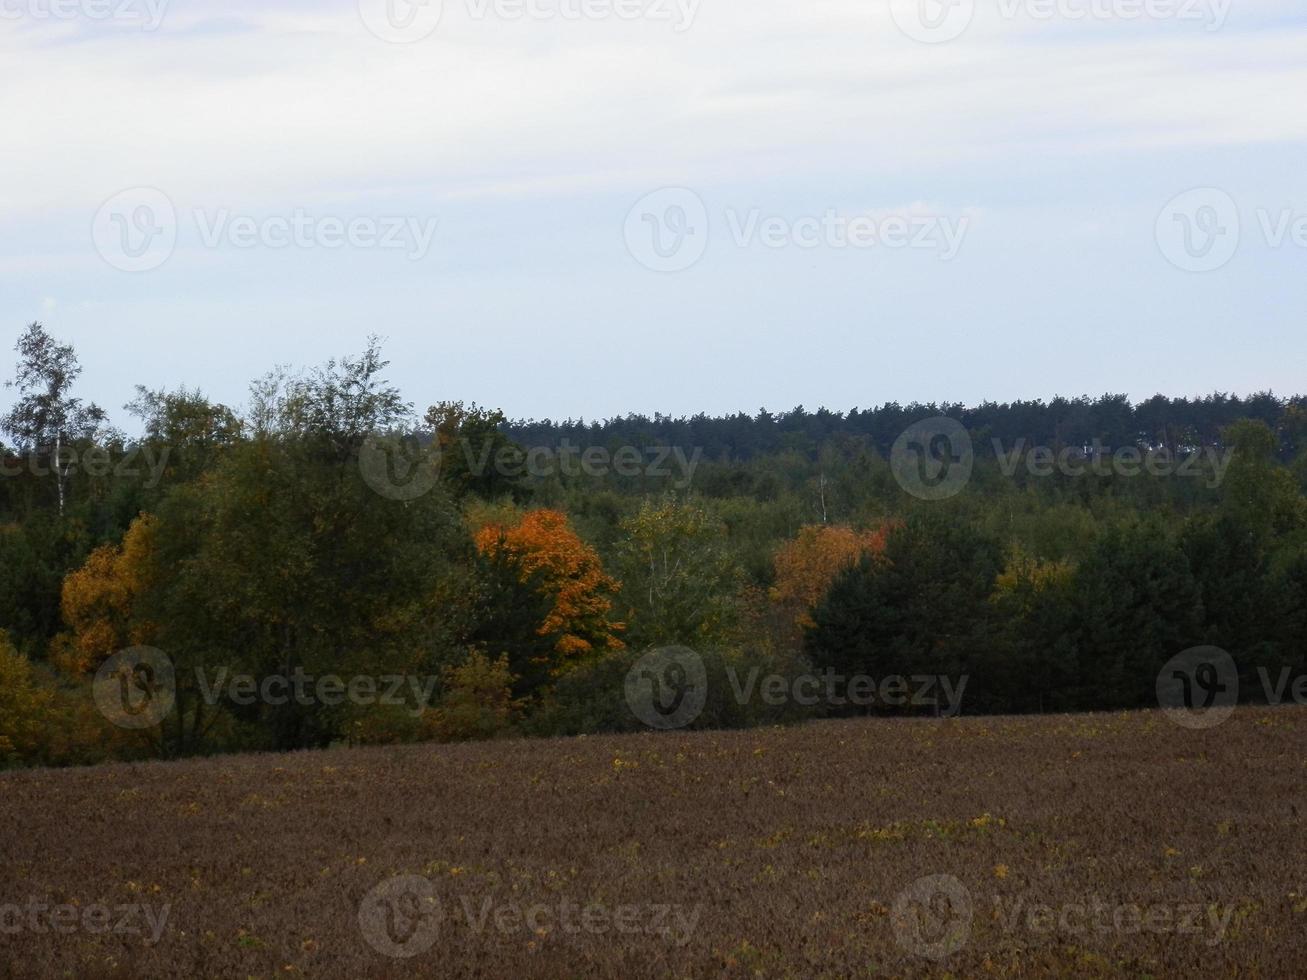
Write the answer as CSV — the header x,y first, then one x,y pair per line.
x,y
547,551
100,600
807,564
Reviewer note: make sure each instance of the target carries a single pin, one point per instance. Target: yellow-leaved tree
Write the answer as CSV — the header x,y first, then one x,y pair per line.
x,y
25,707
100,601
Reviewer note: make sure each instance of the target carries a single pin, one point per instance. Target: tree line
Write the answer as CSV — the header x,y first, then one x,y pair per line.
x,y
255,542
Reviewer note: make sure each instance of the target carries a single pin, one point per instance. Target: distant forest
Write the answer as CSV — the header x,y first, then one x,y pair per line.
x,y
1175,423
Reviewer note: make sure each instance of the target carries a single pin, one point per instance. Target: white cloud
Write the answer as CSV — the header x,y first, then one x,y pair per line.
x,y
305,106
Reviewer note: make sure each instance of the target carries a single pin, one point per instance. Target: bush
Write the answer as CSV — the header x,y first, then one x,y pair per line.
x,y
477,703
591,698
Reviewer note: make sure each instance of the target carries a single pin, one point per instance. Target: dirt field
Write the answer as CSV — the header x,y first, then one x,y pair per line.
x,y
1103,844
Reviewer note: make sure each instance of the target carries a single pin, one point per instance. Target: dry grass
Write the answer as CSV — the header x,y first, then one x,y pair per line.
x,y
793,844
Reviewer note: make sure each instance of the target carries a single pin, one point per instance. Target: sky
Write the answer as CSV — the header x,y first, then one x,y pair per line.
x,y
584,208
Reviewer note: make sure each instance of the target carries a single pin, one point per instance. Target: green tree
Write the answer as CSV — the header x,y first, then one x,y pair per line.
x,y
1258,492
25,708
46,417
475,454
191,428
511,605
921,607
1137,606
1029,665
1241,600
283,561
680,579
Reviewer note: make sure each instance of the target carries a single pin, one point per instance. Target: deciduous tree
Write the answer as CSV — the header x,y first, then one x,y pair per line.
x,y
569,571
806,565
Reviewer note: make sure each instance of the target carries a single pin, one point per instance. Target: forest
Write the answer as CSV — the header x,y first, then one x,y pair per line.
x,y
497,576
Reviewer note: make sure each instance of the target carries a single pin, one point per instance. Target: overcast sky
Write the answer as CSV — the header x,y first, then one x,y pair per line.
x,y
589,207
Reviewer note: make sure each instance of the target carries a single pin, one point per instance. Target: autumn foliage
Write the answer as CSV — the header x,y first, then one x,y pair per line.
x,y
100,599
542,543
23,705
807,564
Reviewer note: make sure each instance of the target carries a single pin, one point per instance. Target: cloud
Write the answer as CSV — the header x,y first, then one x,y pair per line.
x,y
309,107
